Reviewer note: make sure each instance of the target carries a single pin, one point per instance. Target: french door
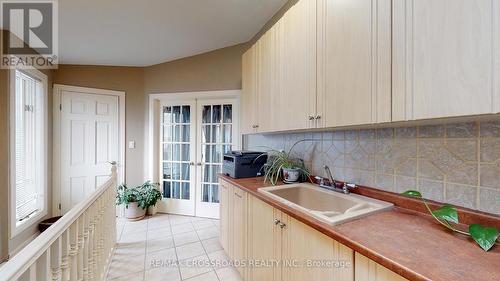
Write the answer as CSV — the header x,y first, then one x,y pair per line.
x,y
193,136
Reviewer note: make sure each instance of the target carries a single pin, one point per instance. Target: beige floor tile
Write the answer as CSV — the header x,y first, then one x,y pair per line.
x,y
207,233
122,266
175,219
202,224
228,274
130,249
194,266
161,257
209,276
182,228
212,245
131,229
139,276
185,238
158,224
160,244
219,258
133,237
189,250
159,233
216,223
170,273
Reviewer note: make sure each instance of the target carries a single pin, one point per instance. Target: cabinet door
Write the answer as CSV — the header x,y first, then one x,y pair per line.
x,y
297,38
249,101
264,240
225,190
265,81
445,58
308,248
238,228
368,270
354,62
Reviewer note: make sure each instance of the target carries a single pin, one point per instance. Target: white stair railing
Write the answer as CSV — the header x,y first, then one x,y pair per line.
x,y
78,247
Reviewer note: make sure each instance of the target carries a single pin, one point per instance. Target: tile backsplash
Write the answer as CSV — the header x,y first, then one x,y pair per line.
x,y
454,163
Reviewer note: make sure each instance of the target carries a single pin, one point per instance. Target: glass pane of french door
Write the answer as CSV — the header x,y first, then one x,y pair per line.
x,y
177,150
217,136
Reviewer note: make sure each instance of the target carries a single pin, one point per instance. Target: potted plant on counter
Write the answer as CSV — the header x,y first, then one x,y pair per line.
x,y
138,199
281,164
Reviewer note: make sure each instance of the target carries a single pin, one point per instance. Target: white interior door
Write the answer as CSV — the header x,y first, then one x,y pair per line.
x,y
88,143
217,133
177,151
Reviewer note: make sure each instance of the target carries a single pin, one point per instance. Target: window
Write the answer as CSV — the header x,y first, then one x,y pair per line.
x,y
28,148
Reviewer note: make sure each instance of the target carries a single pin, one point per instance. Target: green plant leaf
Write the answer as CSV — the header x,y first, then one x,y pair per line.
x,y
484,236
447,213
412,193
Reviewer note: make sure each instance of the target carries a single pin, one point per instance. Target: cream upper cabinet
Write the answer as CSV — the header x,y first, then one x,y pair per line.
x,y
446,57
266,79
249,102
296,37
354,62
307,247
368,270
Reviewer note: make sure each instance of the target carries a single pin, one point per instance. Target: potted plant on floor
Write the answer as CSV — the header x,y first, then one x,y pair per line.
x,y
138,199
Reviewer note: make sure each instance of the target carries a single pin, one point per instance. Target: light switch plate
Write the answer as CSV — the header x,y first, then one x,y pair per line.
x,y
131,144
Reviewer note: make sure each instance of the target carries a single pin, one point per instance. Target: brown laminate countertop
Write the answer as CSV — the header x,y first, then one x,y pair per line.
x,y
407,242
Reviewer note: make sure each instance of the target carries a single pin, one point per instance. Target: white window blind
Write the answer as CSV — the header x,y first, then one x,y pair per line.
x,y
29,124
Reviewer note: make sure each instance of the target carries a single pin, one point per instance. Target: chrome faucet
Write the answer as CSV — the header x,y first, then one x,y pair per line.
x,y
333,183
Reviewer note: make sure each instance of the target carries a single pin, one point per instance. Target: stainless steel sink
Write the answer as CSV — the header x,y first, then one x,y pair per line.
x,y
329,206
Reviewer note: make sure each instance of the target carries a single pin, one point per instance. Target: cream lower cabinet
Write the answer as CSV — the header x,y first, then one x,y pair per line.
x,y
311,255
368,270
224,214
268,245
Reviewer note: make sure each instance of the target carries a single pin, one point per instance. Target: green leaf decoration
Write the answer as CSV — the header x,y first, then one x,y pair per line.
x,y
447,213
412,193
484,236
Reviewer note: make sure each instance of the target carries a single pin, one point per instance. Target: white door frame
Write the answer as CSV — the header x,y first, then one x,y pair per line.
x,y
56,141
152,159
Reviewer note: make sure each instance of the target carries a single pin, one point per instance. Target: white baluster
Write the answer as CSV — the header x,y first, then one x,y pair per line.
x,y
73,251
81,241
65,256
86,247
55,260
30,274
43,272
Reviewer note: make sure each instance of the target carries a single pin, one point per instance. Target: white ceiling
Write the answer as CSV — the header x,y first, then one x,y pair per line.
x,y
146,32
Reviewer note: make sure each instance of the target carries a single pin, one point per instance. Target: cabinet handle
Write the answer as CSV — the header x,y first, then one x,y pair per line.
x,y
310,117
237,195
282,225
317,117
277,221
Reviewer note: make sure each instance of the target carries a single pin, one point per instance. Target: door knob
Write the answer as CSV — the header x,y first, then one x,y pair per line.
x,y
317,117
310,117
191,163
282,225
277,221
198,164
112,163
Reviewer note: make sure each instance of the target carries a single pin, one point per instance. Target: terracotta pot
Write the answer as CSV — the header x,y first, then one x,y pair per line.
x,y
134,212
